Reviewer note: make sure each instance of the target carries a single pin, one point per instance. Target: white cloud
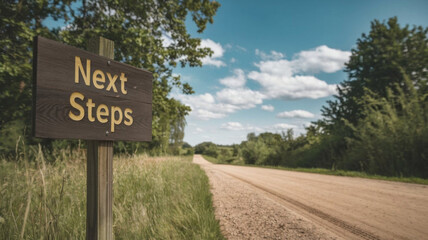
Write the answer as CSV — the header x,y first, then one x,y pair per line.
x,y
296,114
236,81
274,55
204,106
233,126
214,62
208,114
218,52
283,79
256,129
227,101
199,130
237,126
268,108
236,94
321,59
242,98
233,60
292,87
217,49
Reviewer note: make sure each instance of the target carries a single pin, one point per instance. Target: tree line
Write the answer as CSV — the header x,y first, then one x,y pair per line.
x,y
377,122
137,29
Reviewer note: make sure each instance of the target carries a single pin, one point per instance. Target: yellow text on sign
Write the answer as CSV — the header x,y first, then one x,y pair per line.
x,y
98,77
101,113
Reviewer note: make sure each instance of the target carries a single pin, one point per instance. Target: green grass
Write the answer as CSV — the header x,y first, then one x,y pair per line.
x,y
213,159
230,160
154,198
331,172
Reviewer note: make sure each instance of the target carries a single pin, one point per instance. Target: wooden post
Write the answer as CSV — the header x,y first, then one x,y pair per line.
x,y
99,184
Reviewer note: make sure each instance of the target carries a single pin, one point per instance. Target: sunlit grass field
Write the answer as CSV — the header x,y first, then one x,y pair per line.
x,y
154,198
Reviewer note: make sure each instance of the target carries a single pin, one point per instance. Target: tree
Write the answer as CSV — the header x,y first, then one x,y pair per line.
x,y
139,29
261,149
186,145
177,125
376,65
207,148
20,22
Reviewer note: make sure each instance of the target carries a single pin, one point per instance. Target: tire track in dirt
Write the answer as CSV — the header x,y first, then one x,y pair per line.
x,y
342,224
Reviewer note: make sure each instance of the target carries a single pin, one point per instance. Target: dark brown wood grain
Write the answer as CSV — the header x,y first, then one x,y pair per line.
x,y
99,204
54,82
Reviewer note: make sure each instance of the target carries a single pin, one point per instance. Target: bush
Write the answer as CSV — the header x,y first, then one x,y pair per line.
x,y
255,152
207,148
392,140
190,152
211,151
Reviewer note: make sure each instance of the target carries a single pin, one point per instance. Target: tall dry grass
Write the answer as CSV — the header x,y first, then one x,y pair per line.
x,y
154,198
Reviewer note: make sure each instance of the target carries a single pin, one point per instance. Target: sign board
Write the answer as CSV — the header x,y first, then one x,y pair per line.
x,y
81,95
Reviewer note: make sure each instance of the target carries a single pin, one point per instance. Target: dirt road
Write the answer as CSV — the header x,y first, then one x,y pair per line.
x,y
259,203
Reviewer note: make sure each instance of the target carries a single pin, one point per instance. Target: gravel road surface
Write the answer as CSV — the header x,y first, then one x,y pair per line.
x,y
260,203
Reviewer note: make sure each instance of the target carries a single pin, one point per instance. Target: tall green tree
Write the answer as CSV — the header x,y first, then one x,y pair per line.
x,y
376,64
177,125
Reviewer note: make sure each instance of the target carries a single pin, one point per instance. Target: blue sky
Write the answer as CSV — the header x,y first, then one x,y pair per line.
x,y
276,63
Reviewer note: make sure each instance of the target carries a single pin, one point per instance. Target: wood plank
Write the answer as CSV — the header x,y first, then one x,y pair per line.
x,y
54,83
56,114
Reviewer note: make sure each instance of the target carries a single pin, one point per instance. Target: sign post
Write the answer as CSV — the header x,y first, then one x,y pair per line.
x,y
87,95
99,177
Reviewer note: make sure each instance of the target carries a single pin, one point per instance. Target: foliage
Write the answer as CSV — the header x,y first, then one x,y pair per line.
x,y
189,152
260,149
186,145
20,22
218,153
207,148
377,64
391,140
41,200
213,159
147,34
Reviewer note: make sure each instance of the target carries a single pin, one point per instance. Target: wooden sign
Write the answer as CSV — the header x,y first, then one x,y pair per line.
x,y
81,95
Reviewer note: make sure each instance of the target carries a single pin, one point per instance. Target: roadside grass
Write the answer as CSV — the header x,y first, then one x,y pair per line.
x,y
327,172
214,160
230,160
154,198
